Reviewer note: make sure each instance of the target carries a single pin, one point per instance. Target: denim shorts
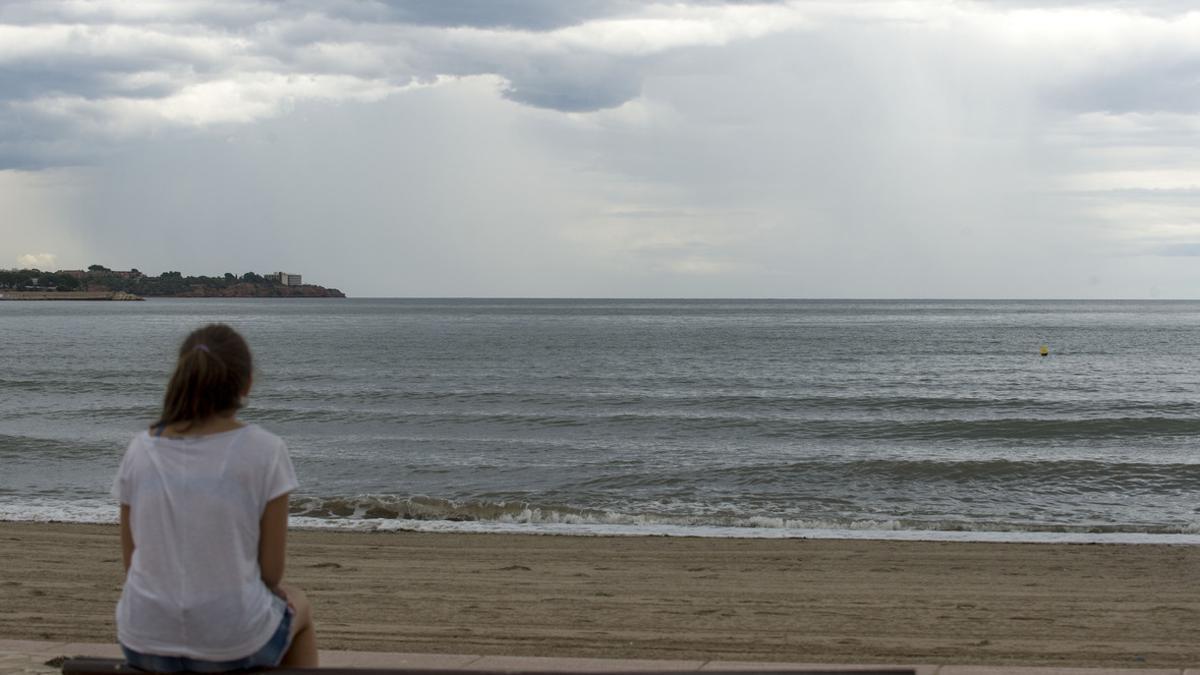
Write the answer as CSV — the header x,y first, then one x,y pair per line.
x,y
268,657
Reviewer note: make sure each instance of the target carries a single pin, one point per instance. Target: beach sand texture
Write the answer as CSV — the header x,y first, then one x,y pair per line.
x,y
676,598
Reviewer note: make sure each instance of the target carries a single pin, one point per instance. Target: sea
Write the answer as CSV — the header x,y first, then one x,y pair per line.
x,y
930,420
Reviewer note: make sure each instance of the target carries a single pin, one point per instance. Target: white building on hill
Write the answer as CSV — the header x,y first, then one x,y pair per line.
x,y
285,278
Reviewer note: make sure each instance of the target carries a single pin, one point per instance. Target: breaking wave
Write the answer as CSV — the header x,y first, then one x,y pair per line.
x,y
378,510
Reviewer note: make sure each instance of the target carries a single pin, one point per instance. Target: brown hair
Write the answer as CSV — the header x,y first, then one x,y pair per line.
x,y
210,377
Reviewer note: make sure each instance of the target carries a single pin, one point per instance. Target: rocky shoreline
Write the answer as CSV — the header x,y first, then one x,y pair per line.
x,y
249,290
98,282
238,291
69,295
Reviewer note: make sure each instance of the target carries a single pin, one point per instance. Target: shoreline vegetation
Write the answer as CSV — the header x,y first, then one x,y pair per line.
x,y
101,283
815,601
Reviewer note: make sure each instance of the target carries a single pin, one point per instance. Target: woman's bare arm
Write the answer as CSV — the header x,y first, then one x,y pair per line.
x,y
126,538
272,541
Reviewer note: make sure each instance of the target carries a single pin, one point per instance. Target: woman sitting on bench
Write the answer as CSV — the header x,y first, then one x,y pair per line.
x,y
204,512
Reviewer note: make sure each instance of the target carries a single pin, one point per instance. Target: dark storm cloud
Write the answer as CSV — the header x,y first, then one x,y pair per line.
x,y
533,15
30,142
87,74
575,83
537,15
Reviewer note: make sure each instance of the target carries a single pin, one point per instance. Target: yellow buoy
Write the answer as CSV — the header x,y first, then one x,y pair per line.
x,y
1045,351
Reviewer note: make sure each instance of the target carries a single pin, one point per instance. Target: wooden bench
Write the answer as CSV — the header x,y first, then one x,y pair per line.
x,y
91,666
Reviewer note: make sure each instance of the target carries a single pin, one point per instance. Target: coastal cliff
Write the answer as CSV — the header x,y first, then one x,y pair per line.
x,y
249,290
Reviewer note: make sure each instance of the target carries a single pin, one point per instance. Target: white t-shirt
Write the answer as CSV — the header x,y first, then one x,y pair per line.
x,y
194,586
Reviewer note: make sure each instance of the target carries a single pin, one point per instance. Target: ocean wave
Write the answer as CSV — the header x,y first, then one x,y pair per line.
x,y
416,509
428,514
1036,429
1072,475
1026,429
659,395
33,448
121,413
994,480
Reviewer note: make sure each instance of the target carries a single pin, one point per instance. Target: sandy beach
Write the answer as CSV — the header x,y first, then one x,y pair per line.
x,y
656,597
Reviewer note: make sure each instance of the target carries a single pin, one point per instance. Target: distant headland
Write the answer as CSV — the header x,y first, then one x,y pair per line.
x,y
98,282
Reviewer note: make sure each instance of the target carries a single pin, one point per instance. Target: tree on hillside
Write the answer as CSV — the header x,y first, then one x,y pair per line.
x,y
98,268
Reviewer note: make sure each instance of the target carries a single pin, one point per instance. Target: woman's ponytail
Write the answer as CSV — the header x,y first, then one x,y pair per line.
x,y
212,374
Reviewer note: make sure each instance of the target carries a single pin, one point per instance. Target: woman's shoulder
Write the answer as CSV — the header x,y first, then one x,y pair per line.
x,y
257,433
140,440
260,439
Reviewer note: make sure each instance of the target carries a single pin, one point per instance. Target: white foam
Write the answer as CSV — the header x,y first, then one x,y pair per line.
x,y
33,509
666,530
533,521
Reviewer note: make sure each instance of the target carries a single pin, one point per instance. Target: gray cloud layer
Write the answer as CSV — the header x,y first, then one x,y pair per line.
x,y
111,70
615,147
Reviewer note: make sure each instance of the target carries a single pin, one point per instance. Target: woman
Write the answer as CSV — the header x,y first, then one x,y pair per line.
x,y
204,510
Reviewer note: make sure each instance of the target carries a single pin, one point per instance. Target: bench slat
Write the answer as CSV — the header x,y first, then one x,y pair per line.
x,y
92,666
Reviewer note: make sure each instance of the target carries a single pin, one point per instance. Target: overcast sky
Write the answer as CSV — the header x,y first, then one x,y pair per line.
x,y
611,148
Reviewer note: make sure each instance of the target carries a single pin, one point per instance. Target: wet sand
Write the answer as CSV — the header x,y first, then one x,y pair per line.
x,y
678,598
